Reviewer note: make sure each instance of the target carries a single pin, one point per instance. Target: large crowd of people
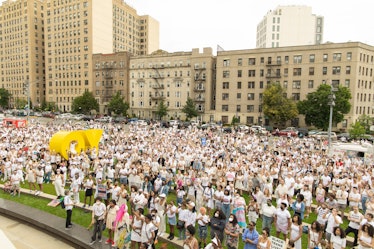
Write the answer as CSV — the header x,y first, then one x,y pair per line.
x,y
145,179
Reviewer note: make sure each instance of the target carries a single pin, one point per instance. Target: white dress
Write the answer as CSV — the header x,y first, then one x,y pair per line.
x,y
136,233
295,231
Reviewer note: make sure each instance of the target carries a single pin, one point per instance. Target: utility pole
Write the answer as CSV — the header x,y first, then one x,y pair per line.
x,y
331,103
27,89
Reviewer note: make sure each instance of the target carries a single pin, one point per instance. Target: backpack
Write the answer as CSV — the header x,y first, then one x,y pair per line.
x,y
62,202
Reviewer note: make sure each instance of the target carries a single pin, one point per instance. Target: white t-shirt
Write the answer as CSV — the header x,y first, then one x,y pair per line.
x,y
282,216
337,242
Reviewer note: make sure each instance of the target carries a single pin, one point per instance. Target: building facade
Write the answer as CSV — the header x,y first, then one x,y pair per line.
x,y
22,51
289,26
243,75
76,30
172,78
110,76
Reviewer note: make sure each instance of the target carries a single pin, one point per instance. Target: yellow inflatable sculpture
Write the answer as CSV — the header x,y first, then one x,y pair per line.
x,y
64,142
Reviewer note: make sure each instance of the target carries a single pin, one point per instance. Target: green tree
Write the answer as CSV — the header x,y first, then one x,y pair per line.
x,y
317,110
85,103
4,97
162,109
366,121
276,106
234,121
357,130
117,105
189,109
20,103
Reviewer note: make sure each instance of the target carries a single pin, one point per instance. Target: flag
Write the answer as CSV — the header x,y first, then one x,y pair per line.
x,y
219,48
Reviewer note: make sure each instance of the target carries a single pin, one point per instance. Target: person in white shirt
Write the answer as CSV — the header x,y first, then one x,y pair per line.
x,y
282,220
202,220
15,183
333,220
354,197
355,218
69,209
98,216
341,198
268,212
338,240
171,211
148,230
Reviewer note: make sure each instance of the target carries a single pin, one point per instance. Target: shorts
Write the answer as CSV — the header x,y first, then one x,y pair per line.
x,y
203,232
172,220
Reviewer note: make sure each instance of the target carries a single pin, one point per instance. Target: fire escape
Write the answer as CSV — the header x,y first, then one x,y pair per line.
x,y
156,85
273,69
199,88
108,76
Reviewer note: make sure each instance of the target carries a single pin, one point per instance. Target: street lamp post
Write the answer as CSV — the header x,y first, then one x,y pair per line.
x,y
331,103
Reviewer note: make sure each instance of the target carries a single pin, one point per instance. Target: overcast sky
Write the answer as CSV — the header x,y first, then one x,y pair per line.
x,y
187,24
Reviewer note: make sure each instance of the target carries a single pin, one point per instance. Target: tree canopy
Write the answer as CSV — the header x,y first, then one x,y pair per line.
x,y
277,107
317,110
117,105
162,109
189,109
85,103
357,130
4,97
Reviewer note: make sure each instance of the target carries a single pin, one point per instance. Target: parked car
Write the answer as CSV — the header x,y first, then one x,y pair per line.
x,y
243,128
164,124
227,129
343,137
286,133
105,119
88,118
255,128
302,132
141,122
367,137
120,120
324,135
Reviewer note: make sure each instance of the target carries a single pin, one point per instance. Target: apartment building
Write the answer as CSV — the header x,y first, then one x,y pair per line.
x,y
292,25
22,51
172,78
242,76
110,76
77,29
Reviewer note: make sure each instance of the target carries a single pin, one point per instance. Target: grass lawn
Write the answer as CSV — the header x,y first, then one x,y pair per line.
x,y
82,218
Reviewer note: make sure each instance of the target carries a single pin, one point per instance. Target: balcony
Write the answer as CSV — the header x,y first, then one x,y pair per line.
x,y
199,89
157,97
270,75
275,63
199,79
156,86
157,76
198,67
108,76
199,99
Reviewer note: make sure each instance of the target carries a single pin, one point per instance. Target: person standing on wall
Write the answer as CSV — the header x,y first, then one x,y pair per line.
x,y
98,216
69,209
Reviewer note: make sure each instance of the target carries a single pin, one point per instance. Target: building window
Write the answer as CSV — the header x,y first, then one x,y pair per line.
x,y
250,120
324,70
286,59
252,61
225,85
238,108
348,70
285,84
325,57
238,95
226,74
335,70
311,58
250,108
262,60
225,96
239,73
344,123
311,71
349,56
240,62
347,83
225,108
297,59
337,57
251,84
310,84
296,84
297,72
261,84
296,96
239,85
251,96
251,73
226,63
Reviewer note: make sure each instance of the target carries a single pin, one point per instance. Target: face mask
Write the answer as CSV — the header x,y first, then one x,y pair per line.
x,y
231,219
216,215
